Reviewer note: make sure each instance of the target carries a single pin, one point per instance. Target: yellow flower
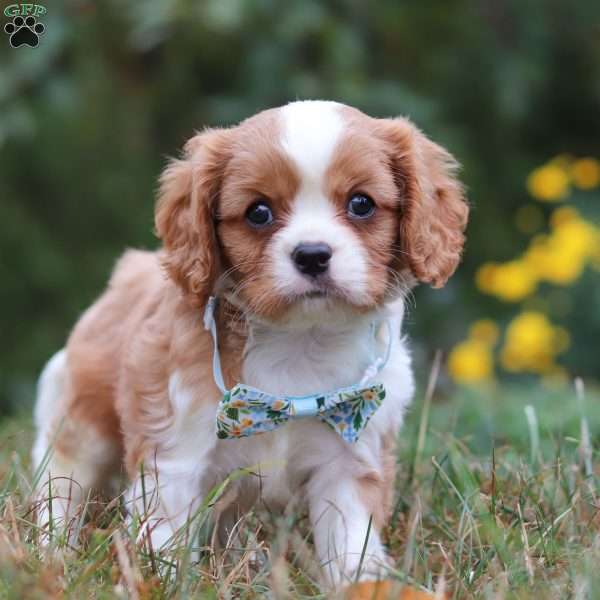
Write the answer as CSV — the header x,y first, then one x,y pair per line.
x,y
532,343
514,281
511,281
561,256
470,362
556,266
246,423
549,183
558,257
564,270
238,404
576,237
484,278
585,173
278,405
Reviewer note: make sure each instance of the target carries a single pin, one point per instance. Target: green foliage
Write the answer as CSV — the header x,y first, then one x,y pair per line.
x,y
88,117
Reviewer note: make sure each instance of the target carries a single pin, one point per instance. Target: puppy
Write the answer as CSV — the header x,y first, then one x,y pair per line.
x,y
306,225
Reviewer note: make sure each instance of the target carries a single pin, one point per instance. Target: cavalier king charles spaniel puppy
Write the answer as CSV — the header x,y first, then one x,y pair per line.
x,y
264,335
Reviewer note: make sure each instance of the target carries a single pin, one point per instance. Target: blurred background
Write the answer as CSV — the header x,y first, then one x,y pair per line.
x,y
511,88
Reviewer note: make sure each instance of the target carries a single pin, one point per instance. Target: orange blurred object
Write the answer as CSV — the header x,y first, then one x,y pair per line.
x,y
388,590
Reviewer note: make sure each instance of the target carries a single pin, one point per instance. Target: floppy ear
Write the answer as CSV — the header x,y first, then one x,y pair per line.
x,y
184,215
433,207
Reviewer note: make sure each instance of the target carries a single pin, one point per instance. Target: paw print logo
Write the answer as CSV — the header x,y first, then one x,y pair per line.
x,y
24,31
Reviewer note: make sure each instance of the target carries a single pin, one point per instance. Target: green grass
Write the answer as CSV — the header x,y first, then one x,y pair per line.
x,y
493,501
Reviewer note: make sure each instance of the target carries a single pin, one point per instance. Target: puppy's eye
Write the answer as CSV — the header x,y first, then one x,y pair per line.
x,y
259,214
360,206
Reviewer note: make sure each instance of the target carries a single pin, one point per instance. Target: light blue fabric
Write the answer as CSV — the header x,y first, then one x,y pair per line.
x,y
245,410
211,325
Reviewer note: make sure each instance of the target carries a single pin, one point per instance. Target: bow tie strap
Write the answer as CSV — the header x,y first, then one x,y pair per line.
x,y
211,325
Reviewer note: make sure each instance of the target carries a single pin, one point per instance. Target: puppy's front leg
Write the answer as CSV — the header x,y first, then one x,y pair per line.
x,y
166,499
341,506
171,486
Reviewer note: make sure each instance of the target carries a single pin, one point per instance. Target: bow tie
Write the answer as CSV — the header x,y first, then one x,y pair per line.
x,y
245,410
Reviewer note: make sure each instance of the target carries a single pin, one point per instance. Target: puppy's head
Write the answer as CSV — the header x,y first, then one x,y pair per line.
x,y
310,209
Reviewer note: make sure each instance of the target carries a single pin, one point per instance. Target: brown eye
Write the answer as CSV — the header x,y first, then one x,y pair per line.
x,y
360,206
259,214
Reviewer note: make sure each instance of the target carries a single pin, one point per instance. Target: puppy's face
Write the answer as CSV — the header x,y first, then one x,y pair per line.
x,y
310,209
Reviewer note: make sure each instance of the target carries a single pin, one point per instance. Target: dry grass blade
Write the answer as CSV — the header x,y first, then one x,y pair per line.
x,y
434,373
130,576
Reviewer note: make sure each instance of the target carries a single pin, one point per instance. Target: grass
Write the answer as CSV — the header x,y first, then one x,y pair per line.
x,y
496,498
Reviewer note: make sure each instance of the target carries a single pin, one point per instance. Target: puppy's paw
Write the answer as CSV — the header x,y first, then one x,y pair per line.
x,y
387,590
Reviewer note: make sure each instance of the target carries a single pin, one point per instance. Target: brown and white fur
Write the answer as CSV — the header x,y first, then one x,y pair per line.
x,y
135,385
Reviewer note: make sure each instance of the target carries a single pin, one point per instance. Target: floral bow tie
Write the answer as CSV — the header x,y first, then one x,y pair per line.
x,y
244,410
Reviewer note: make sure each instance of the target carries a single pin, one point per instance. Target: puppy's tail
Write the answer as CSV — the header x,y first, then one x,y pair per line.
x,y
50,391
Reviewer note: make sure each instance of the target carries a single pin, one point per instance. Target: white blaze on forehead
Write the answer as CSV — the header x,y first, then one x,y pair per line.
x,y
311,130
310,133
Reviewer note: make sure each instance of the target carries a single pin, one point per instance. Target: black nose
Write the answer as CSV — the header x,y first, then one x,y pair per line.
x,y
312,259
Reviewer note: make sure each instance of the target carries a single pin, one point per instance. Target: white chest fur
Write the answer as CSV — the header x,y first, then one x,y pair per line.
x,y
305,362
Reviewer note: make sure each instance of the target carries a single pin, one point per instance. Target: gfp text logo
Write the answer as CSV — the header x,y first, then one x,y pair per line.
x,y
24,29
